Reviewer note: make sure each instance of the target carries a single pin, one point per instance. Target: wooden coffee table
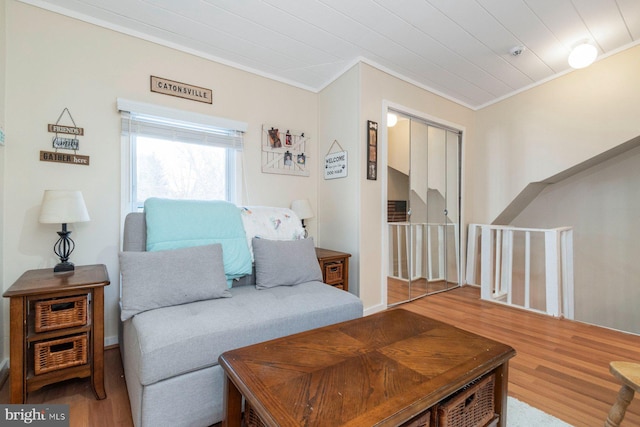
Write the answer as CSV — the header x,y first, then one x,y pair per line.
x,y
379,370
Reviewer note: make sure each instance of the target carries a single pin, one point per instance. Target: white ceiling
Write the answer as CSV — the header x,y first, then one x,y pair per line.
x,y
457,48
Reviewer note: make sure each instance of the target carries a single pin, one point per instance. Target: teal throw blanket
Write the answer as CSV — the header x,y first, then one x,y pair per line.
x,y
174,224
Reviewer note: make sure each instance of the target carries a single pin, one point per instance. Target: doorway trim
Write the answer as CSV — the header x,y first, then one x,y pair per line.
x,y
383,157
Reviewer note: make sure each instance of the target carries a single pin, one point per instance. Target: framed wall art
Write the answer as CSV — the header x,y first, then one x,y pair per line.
x,y
372,150
283,151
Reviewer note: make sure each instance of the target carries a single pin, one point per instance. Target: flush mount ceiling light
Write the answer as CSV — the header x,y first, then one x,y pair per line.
x,y
582,55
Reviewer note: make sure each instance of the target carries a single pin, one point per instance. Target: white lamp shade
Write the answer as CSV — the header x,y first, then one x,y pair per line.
x,y
302,208
582,55
63,207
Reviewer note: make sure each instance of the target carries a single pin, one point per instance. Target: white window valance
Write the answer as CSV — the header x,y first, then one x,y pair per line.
x,y
178,125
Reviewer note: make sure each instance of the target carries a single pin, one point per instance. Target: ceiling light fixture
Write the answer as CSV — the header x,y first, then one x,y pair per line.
x,y
582,55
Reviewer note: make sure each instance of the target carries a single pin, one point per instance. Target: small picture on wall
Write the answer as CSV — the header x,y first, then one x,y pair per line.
x,y
274,138
301,159
372,150
288,159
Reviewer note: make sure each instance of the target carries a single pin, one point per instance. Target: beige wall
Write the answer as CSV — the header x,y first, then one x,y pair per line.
x,y
3,63
602,205
378,88
55,62
547,129
338,207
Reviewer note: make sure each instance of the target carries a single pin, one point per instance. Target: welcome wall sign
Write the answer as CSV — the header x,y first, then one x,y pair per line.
x,y
66,138
181,90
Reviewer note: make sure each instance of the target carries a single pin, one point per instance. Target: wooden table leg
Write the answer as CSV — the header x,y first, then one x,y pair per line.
x,y
501,392
97,372
18,368
616,414
232,404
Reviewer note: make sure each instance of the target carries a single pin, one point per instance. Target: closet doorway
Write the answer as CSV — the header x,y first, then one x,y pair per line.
x,y
423,208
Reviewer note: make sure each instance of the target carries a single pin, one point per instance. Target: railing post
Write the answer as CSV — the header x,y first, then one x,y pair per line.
x,y
497,278
552,272
418,246
486,260
471,254
567,274
527,269
507,264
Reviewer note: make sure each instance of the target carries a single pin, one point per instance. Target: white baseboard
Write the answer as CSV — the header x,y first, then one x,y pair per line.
x,y
113,340
374,309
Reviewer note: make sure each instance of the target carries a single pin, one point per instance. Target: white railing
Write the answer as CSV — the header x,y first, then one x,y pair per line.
x,y
512,270
419,250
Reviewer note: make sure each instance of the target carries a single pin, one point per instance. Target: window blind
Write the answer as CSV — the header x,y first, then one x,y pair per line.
x,y
160,122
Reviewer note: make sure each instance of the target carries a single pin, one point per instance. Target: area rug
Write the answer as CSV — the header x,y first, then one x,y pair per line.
x,y
519,414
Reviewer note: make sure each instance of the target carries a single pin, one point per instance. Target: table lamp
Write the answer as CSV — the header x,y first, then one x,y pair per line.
x,y
63,207
302,208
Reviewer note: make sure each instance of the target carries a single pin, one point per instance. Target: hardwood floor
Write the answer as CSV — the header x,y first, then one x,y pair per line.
x,y
562,367
398,290
84,409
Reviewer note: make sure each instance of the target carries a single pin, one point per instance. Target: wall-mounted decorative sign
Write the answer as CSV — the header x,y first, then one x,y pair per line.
x,y
283,151
335,164
372,150
181,90
65,143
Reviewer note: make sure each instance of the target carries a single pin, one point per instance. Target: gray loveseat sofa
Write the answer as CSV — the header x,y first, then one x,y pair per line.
x,y
170,353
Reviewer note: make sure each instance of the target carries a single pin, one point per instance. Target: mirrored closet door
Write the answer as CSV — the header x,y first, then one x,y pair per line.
x,y
423,199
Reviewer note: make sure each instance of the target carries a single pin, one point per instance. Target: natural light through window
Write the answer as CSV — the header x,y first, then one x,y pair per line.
x,y
178,170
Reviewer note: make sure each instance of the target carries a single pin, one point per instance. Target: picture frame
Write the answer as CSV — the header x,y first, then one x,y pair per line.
x,y
372,150
284,151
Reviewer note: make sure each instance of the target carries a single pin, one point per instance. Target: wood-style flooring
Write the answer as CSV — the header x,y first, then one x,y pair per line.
x,y
562,367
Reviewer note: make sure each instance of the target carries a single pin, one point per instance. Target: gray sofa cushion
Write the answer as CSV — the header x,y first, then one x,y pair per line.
x,y
159,279
285,262
184,338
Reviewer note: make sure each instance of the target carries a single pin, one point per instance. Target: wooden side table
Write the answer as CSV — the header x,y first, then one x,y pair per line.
x,y
335,267
57,329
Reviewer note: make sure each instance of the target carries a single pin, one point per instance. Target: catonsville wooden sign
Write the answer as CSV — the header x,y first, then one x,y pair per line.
x,y
181,90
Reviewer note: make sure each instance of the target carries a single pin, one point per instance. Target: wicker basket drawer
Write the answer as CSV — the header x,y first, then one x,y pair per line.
x,y
422,420
60,313
60,353
251,417
471,407
333,273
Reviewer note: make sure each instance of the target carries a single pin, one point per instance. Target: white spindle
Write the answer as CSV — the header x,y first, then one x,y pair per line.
x,y
497,276
471,253
507,270
552,273
527,269
486,258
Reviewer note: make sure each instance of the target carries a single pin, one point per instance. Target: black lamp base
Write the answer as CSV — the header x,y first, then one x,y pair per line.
x,y
64,266
63,248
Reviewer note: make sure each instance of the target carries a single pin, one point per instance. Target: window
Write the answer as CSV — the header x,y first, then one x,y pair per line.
x,y
178,159
180,170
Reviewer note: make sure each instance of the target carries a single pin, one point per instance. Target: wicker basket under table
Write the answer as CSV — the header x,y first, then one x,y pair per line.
x,y
60,313
60,353
471,407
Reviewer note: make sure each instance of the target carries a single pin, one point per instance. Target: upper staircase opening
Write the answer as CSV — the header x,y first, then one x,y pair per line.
x,y
600,199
